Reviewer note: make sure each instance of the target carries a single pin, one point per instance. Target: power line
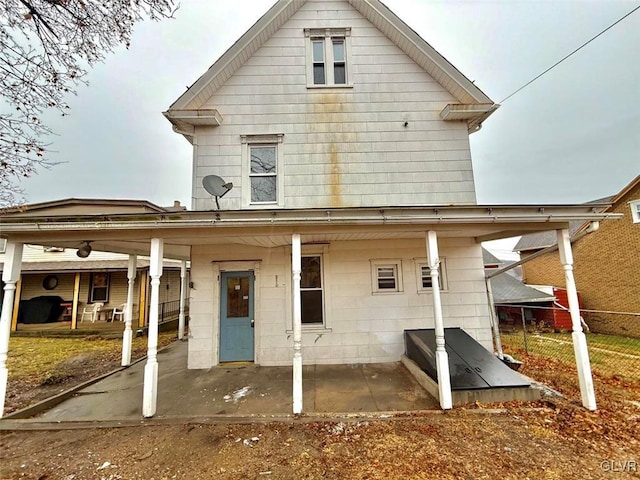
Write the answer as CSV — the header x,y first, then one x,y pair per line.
x,y
567,56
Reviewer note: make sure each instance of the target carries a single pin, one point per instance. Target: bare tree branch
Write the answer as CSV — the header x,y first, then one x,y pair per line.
x,y
46,47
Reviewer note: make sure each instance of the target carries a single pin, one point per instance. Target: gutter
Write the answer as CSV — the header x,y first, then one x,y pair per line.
x,y
434,216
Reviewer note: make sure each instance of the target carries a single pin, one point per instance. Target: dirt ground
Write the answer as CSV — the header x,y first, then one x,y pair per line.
x,y
556,439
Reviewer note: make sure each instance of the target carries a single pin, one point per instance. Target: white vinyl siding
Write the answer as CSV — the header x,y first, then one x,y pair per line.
x,y
359,327
344,147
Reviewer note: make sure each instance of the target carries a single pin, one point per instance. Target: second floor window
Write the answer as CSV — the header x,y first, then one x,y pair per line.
x,y
327,57
263,173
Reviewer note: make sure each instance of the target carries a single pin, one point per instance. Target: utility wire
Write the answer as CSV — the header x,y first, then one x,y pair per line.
x,y
567,56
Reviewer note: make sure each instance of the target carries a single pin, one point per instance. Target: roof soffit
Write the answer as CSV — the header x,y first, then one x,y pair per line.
x,y
376,12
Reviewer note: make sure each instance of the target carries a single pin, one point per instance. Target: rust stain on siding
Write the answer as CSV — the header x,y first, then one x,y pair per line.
x,y
329,111
335,180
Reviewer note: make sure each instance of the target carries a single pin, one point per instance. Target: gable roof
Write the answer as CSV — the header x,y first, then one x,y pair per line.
x,y
474,105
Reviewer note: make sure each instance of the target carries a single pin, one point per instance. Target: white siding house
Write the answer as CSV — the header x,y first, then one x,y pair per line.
x,y
330,112
352,215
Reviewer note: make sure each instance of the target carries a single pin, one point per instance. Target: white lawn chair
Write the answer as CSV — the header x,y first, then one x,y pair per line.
x,y
91,310
119,310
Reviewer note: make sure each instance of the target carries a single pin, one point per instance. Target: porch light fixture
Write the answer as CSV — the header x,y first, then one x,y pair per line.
x,y
85,250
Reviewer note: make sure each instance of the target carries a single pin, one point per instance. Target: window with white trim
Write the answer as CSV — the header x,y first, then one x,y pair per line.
x,y
423,273
311,290
635,211
261,165
386,276
99,287
328,52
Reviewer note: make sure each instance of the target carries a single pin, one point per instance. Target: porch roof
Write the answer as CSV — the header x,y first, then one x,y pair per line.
x,y
131,233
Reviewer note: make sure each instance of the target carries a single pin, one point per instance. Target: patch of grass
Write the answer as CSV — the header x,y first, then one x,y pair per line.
x,y
38,358
610,355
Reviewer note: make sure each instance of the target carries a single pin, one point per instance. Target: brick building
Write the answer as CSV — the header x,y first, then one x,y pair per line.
x,y
607,265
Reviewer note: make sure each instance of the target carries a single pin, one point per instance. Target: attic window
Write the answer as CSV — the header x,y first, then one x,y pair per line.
x,y
328,51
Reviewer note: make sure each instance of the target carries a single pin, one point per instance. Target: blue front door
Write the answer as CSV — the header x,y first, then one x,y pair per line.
x,y
236,316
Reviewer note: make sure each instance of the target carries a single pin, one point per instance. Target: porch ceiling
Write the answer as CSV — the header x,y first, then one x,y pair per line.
x,y
273,228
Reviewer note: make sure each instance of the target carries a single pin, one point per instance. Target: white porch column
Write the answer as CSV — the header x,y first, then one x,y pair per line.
x,y
579,340
183,293
442,359
10,276
127,335
150,388
296,268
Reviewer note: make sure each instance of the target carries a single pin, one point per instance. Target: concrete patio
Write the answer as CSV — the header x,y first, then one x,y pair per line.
x,y
243,391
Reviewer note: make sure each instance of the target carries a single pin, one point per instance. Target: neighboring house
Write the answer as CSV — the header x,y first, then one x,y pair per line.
x,y
58,275
607,265
515,301
353,213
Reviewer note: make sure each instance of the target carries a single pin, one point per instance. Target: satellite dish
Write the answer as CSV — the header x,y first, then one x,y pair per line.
x,y
216,186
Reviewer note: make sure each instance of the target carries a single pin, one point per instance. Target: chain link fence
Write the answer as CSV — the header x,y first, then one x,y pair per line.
x,y
545,346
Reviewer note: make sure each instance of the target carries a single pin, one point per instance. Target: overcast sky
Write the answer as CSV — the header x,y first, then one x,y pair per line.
x,y
572,136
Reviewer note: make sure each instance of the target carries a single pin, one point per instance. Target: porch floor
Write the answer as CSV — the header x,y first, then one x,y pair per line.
x,y
244,391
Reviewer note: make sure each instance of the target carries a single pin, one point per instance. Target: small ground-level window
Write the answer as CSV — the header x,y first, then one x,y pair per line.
x,y
99,287
424,275
386,276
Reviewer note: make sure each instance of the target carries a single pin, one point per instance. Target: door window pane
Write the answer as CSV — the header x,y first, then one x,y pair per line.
x,y
237,297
